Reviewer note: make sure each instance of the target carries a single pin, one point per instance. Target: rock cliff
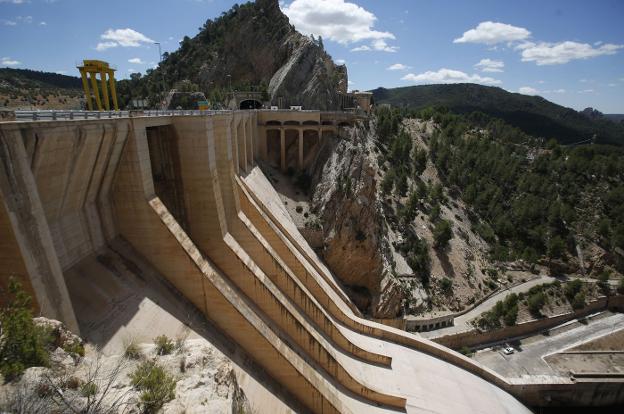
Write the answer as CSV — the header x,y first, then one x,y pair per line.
x,y
355,245
254,46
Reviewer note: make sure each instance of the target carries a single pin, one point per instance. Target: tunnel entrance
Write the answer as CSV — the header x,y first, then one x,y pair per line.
x,y
165,163
250,104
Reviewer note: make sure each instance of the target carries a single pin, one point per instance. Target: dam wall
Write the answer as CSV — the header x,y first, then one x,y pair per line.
x,y
186,194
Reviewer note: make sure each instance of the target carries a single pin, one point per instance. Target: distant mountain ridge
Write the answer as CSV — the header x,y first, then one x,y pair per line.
x,y
26,78
533,114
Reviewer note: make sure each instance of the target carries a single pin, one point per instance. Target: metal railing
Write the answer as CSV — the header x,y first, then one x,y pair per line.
x,y
54,115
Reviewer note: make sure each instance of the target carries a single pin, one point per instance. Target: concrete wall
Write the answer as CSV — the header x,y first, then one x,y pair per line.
x,y
175,188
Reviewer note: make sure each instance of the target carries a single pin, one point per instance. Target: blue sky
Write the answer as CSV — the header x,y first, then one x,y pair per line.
x,y
570,52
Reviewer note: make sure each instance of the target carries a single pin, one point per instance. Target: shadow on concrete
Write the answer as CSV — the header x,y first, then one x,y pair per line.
x,y
119,298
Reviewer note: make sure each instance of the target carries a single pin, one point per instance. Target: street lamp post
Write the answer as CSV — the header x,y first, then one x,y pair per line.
x,y
162,73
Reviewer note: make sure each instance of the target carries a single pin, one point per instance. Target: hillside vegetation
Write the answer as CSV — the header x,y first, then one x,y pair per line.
x,y
532,114
24,88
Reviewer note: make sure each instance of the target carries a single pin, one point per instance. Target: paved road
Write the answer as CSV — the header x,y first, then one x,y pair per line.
x,y
461,322
529,358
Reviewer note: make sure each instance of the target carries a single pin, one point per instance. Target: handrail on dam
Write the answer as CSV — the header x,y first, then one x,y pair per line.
x,y
55,114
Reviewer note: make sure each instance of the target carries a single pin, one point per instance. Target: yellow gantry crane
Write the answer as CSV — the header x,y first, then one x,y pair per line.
x,y
88,72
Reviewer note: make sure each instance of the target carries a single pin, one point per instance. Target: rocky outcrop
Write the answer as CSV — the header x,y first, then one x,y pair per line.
x,y
254,46
354,244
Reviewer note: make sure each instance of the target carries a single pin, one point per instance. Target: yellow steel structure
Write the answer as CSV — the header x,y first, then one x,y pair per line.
x,y
88,72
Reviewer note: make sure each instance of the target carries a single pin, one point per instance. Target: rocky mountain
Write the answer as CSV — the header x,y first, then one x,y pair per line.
x,y
250,47
532,114
429,212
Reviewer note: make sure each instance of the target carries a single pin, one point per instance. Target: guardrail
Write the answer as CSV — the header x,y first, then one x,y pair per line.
x,y
53,115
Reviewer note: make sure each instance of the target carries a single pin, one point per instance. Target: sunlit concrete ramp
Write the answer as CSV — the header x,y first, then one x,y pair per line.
x,y
181,197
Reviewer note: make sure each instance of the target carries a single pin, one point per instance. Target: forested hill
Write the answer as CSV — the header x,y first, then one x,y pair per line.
x,y
30,79
532,114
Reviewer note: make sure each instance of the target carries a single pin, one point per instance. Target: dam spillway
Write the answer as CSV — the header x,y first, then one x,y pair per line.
x,y
185,193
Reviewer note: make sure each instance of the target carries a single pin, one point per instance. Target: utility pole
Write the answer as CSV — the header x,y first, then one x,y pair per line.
x,y
162,73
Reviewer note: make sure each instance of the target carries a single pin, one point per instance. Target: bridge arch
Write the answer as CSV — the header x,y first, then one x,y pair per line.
x,y
310,122
292,123
272,122
250,104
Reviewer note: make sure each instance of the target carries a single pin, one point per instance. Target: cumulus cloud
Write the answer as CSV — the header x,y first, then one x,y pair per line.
x,y
544,53
336,20
122,37
340,61
137,61
491,33
14,1
8,22
449,76
527,90
489,65
7,61
340,21
397,66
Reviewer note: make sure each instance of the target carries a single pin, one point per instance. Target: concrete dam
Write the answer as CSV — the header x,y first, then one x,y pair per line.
x,y
183,196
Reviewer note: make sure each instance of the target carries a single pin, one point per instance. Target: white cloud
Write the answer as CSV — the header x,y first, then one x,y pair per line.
x,y
137,61
586,91
7,61
544,53
14,1
381,46
130,70
491,33
337,20
61,72
25,19
489,65
105,45
449,76
541,82
527,90
362,48
122,37
340,61
43,24
8,22
397,66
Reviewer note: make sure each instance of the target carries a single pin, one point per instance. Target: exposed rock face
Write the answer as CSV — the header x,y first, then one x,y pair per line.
x,y
254,45
355,248
205,380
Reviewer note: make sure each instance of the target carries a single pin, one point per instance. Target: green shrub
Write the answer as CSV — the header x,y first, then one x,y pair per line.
x,y
23,344
164,345
511,315
464,350
572,288
89,389
446,285
536,302
156,386
132,351
442,233
603,282
578,302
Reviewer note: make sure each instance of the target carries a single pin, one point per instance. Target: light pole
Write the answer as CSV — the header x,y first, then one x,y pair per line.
x,y
162,73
